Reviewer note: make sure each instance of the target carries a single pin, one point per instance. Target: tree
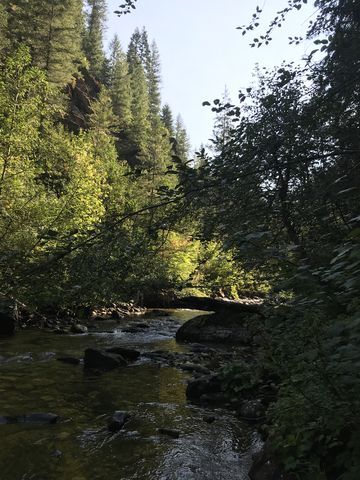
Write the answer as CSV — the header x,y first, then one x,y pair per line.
x,y
52,30
167,119
120,85
153,77
182,139
93,42
223,122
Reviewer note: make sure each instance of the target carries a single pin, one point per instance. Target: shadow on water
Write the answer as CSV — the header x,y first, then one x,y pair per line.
x,y
79,447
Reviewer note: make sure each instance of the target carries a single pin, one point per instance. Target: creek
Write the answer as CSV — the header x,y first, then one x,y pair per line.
x,y
79,447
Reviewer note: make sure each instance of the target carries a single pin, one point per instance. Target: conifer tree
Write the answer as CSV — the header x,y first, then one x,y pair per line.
x,y
140,128
3,27
133,52
182,139
153,76
52,30
93,44
120,84
167,119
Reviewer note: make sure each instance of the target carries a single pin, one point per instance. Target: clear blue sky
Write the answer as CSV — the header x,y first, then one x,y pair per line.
x,y
201,51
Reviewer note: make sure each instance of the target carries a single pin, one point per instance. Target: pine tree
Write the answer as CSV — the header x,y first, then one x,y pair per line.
x,y
120,84
140,128
133,52
167,119
182,139
93,43
153,76
52,30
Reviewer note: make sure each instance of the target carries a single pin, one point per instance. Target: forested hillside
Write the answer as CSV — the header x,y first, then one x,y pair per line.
x,y
88,156
101,200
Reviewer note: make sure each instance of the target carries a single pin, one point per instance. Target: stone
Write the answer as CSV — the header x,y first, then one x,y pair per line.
x,y
69,360
102,360
78,328
209,419
37,418
198,387
215,328
117,421
127,353
252,409
169,432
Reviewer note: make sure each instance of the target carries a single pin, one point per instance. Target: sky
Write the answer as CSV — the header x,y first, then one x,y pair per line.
x,y
201,50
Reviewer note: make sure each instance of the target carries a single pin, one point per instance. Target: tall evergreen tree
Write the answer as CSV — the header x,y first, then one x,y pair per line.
x,y
167,119
153,76
133,52
52,30
120,84
93,43
182,139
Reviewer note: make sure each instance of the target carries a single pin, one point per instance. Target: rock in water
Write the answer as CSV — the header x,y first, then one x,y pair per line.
x,y
69,360
118,420
217,328
127,353
102,360
169,432
78,329
38,418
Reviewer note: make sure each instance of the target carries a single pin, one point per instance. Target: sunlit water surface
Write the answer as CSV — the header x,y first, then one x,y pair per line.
x,y
79,447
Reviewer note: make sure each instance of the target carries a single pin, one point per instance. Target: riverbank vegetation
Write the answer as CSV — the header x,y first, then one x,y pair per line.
x,y
101,200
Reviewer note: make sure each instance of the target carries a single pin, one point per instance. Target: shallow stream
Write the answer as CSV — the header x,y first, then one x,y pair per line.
x,y
79,447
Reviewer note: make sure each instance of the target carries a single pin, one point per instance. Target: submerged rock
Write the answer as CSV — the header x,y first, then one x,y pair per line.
x,y
69,360
127,353
38,418
199,387
102,360
118,420
216,328
169,432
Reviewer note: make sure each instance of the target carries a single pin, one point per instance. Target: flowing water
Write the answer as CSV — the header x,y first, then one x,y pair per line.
x,y
79,447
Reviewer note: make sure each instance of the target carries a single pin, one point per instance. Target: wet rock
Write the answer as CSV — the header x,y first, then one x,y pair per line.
x,y
69,360
102,360
252,409
169,432
8,316
216,398
127,353
78,328
202,386
215,328
118,420
209,419
56,453
62,331
38,418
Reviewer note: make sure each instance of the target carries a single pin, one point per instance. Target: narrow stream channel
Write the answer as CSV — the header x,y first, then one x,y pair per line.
x,y
79,447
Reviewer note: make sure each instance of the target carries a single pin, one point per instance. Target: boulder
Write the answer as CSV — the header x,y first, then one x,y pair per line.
x,y
191,367
117,421
127,353
37,418
206,385
78,329
252,409
8,316
102,360
215,328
